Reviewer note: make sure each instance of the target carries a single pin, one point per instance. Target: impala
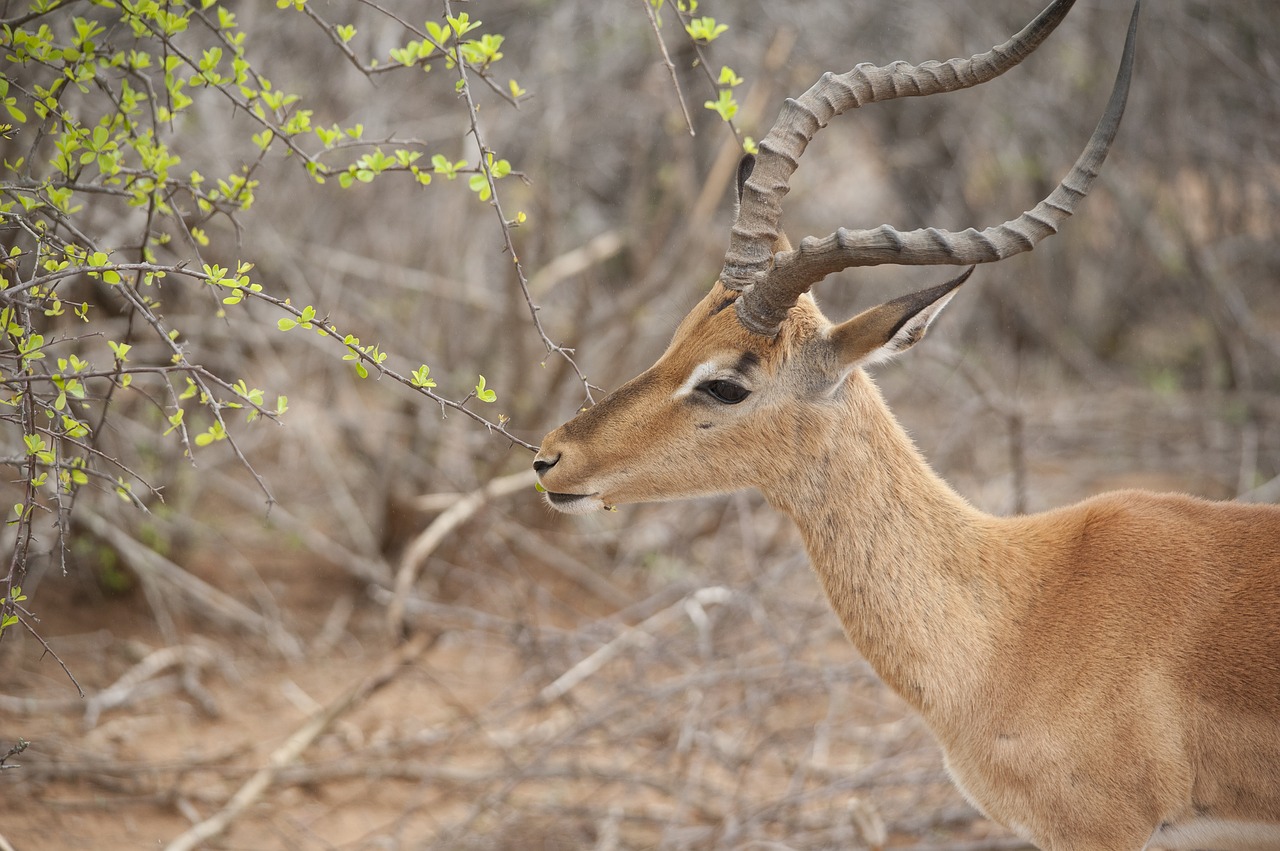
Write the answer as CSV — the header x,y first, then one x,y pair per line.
x,y
1101,676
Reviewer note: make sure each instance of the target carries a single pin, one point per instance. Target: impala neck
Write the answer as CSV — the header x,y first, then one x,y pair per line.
x,y
910,568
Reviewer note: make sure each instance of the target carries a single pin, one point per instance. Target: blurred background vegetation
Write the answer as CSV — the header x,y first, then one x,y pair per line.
x,y
710,699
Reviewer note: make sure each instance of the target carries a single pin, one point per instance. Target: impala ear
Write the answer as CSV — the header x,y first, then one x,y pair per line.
x,y
746,165
883,332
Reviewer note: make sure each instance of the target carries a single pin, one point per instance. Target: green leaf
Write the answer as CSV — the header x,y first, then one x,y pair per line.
x,y
728,77
438,33
442,165
462,24
216,432
405,55
483,51
483,394
175,422
704,30
725,105
303,321
421,377
328,136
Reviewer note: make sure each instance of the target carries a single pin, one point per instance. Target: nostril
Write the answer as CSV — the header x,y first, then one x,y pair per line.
x,y
540,465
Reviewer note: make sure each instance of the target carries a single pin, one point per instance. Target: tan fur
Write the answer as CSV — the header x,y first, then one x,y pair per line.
x,y
1099,676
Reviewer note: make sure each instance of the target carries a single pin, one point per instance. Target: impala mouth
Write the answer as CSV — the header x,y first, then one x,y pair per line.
x,y
574,503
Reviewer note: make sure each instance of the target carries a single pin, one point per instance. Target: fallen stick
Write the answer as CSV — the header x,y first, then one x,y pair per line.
x,y
460,511
138,682
294,746
151,566
638,635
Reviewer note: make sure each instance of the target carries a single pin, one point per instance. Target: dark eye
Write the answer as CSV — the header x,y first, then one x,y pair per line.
x,y
725,391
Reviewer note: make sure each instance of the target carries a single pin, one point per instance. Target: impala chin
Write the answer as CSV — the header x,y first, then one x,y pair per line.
x,y
575,503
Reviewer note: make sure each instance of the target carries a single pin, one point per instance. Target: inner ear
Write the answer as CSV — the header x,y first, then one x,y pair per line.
x,y
883,332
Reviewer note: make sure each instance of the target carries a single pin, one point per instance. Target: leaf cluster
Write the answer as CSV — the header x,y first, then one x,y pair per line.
x,y
104,101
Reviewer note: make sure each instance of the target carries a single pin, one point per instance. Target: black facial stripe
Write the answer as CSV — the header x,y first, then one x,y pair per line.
x,y
746,363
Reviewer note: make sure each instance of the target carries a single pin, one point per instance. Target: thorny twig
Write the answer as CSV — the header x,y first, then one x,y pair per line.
x,y
24,619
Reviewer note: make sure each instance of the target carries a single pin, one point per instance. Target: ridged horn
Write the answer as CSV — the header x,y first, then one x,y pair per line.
x,y
771,284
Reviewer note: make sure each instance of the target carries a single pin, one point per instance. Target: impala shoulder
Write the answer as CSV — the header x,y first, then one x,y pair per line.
x,y
1190,512
1121,522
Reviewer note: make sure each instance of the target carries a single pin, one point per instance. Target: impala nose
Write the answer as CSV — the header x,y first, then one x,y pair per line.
x,y
541,465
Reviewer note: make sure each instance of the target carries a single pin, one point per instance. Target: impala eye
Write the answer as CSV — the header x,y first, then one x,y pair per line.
x,y
725,391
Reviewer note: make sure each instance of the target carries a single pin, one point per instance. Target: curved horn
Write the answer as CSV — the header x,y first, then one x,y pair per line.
x,y
756,227
772,286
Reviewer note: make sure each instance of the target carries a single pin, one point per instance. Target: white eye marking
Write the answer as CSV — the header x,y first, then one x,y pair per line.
x,y
701,373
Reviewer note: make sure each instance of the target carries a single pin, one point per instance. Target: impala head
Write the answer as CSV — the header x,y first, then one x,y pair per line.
x,y
756,375
724,408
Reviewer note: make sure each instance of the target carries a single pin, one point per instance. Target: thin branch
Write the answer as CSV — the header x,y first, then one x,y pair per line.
x,y
63,665
485,154
671,68
370,70
325,327
20,746
684,18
